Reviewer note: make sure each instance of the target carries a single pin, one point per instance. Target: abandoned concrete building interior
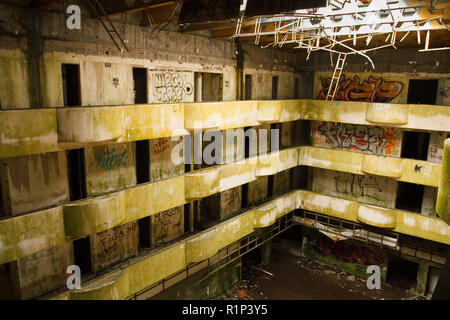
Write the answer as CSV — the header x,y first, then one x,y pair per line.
x,y
327,122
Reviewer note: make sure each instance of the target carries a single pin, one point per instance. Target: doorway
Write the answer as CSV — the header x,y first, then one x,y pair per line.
x,y
248,87
275,88
77,176
140,85
71,85
422,91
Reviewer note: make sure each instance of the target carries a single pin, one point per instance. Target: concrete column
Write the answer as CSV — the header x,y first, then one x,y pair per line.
x,y
443,198
266,253
422,278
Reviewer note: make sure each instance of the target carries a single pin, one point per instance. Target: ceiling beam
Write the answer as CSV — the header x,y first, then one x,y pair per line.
x,y
158,15
42,4
119,6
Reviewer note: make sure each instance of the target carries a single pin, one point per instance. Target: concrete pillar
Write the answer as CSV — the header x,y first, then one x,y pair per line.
x,y
443,198
266,253
422,278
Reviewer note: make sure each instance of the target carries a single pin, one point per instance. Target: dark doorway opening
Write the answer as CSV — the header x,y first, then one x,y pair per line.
x,y
2,208
275,88
71,85
143,161
402,273
187,226
297,88
422,91
140,85
248,87
415,145
77,175
82,255
212,86
409,197
244,201
7,288
144,232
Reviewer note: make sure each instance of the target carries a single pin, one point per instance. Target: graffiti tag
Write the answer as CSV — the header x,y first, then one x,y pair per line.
x,y
354,137
111,239
171,87
370,90
111,160
346,252
359,186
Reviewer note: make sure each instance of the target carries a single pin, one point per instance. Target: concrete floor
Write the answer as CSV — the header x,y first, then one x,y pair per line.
x,y
297,278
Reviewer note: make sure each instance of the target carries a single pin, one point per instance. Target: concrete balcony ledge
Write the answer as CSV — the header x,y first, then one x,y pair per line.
x,y
421,117
273,111
31,131
84,125
25,235
377,217
94,215
395,114
152,198
112,286
27,132
404,222
236,174
202,183
267,214
406,170
382,166
275,162
140,273
221,115
153,121
202,247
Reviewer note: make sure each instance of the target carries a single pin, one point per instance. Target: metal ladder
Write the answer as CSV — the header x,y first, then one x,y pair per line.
x,y
110,29
337,4
336,76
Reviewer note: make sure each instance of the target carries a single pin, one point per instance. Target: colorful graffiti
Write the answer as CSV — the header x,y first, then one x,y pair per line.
x,y
109,160
347,252
352,137
370,90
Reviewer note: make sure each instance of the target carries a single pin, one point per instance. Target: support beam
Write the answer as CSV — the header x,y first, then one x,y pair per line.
x,y
118,7
42,4
442,290
266,253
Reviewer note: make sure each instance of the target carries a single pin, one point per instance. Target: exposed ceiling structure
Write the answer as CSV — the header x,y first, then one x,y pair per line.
x,y
341,27
315,24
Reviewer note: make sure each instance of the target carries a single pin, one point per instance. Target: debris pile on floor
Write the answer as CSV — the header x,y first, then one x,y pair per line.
x,y
296,277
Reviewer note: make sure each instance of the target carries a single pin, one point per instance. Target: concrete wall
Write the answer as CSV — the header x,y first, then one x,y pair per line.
x,y
368,189
435,154
42,272
161,165
114,245
33,182
106,75
110,168
167,225
359,138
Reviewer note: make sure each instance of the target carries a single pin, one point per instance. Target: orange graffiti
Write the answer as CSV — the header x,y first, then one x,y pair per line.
x,y
370,90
